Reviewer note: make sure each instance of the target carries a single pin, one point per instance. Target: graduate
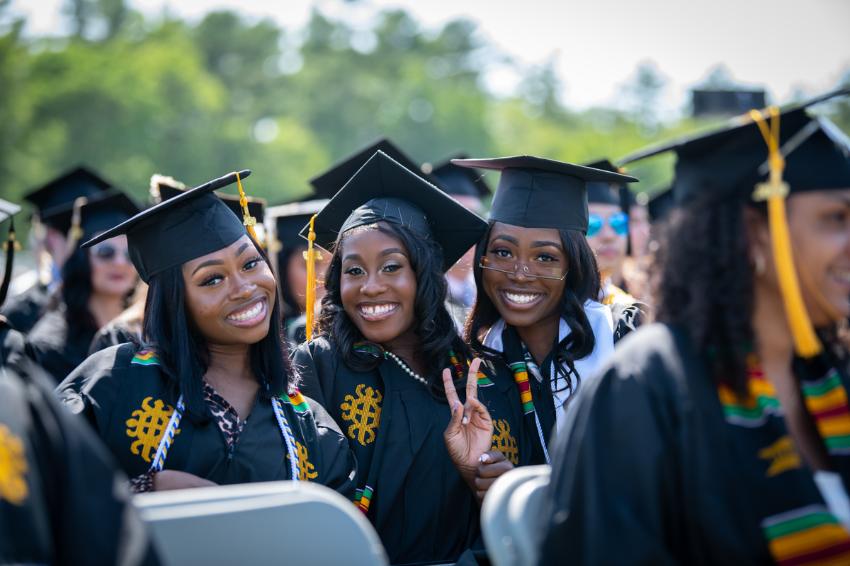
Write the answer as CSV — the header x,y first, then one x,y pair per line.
x,y
384,338
48,233
58,502
287,248
609,236
97,284
210,398
537,315
721,435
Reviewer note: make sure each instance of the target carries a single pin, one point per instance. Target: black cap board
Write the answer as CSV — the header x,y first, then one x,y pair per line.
x,y
328,183
458,180
730,161
96,213
8,209
65,189
535,192
180,229
256,206
383,190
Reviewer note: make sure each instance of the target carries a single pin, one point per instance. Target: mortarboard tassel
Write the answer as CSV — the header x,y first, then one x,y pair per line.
x,y
11,245
248,220
310,294
75,234
774,191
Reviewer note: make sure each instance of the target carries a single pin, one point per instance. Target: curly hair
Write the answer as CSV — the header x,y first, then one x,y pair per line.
x,y
705,284
433,323
582,284
169,330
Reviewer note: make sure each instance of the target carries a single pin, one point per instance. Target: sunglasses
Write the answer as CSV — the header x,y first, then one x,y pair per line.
x,y
619,223
108,252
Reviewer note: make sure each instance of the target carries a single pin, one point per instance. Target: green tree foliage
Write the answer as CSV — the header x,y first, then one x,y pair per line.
x,y
133,95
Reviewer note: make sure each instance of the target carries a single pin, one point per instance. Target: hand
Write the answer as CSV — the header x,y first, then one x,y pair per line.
x,y
470,430
172,479
491,465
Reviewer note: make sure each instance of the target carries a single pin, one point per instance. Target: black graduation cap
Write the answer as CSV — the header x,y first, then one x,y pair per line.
x,y
328,183
65,189
256,206
458,180
660,205
383,190
91,215
607,192
731,160
535,192
7,211
290,218
180,229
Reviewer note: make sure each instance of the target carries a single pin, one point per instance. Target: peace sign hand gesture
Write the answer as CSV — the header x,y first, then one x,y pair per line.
x,y
470,430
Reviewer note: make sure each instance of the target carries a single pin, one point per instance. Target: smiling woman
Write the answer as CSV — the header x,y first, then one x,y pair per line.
x,y
209,398
377,366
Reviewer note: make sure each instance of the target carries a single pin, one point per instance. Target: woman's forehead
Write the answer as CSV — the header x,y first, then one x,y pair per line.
x,y
522,234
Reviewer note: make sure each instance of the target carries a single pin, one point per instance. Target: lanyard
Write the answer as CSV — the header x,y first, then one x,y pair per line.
x,y
177,415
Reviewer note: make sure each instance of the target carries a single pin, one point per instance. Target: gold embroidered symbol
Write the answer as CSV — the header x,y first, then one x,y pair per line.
x,y
306,470
504,442
783,456
13,466
148,427
363,412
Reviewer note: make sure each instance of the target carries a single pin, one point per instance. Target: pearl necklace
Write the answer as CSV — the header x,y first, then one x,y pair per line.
x,y
407,369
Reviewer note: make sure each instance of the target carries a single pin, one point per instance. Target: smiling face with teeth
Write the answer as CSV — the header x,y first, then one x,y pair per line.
x,y
819,226
230,294
377,285
525,302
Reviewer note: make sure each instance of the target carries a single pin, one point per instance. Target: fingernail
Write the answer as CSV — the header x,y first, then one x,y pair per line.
x,y
465,420
484,458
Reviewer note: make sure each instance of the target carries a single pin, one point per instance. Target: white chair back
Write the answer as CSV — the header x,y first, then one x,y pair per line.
x,y
259,524
511,516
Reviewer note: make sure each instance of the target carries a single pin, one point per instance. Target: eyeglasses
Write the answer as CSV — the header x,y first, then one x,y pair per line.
x,y
619,223
108,252
513,267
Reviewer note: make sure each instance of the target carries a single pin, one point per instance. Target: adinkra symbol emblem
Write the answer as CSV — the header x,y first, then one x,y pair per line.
x,y
13,466
147,427
504,442
363,412
306,470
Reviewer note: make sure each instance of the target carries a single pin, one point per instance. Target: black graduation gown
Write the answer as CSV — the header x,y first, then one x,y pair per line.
x,y
23,311
57,346
422,509
60,501
120,390
648,471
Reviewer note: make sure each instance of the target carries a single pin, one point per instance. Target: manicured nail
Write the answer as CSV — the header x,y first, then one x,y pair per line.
x,y
465,420
484,458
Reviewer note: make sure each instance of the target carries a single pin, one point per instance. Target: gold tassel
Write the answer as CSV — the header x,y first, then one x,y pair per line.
x,y
248,220
75,234
310,294
774,191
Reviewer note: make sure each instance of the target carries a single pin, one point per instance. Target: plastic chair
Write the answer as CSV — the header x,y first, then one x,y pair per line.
x,y
511,516
259,524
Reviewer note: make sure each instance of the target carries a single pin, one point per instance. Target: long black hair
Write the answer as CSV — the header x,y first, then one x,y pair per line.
x,y
433,324
581,284
76,290
290,306
170,332
705,283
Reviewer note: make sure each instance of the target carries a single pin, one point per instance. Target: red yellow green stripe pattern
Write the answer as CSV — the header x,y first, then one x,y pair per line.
x,y
297,401
363,497
520,371
145,358
826,401
754,409
809,535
